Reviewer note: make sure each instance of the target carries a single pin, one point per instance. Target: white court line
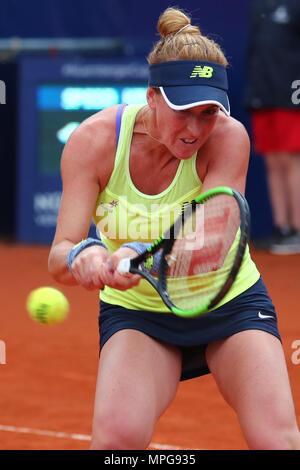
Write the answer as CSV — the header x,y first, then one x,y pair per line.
x,y
74,436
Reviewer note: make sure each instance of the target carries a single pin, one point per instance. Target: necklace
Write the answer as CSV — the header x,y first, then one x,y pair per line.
x,y
147,132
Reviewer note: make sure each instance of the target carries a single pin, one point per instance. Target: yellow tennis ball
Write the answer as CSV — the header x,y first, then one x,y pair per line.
x,y
47,305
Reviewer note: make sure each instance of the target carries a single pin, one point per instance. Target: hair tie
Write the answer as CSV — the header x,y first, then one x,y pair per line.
x,y
181,29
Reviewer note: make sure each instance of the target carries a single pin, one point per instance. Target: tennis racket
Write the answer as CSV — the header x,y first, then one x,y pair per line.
x,y
200,255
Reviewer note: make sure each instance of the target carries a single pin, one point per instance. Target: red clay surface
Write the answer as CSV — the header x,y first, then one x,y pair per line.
x,y
49,377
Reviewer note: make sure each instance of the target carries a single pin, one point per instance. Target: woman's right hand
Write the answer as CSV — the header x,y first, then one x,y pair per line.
x,y
95,268
91,267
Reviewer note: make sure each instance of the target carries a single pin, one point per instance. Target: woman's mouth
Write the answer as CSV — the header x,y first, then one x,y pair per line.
x,y
188,141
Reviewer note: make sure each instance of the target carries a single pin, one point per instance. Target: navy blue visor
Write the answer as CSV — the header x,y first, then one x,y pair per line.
x,y
185,84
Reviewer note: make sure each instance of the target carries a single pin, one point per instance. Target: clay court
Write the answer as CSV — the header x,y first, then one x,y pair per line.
x,y
48,380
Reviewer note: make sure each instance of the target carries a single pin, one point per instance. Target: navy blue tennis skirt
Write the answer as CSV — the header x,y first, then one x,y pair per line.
x,y
251,310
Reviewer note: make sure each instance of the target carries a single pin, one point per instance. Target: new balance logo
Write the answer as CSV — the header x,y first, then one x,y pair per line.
x,y
200,71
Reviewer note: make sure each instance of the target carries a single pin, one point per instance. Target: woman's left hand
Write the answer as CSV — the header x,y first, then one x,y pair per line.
x,y
113,278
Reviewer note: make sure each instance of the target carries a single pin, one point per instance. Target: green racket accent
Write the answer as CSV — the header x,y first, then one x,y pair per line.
x,y
191,313
212,192
154,244
148,263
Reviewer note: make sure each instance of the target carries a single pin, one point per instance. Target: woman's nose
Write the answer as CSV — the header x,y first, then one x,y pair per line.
x,y
194,127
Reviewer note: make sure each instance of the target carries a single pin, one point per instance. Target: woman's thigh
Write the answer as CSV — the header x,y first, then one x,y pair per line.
x,y
138,377
250,370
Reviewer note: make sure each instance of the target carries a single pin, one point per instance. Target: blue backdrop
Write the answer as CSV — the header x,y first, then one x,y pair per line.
x,y
135,22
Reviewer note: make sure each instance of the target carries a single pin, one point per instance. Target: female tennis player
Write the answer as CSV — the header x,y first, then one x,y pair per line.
x,y
127,167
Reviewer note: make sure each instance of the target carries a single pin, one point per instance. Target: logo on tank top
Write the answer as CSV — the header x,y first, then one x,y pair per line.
x,y
110,206
113,203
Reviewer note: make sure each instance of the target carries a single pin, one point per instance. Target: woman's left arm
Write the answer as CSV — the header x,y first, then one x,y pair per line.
x,y
228,156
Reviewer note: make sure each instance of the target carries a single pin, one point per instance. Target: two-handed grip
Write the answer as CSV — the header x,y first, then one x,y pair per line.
x,y
124,266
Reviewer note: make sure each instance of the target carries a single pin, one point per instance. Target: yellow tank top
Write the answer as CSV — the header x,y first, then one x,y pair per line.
x,y
124,214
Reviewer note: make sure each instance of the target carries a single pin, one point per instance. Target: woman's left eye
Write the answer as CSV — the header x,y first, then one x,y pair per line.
x,y
211,111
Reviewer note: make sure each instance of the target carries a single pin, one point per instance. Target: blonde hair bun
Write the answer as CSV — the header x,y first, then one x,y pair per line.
x,y
182,41
172,20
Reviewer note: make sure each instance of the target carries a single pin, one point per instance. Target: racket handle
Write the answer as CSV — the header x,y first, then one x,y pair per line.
x,y
124,266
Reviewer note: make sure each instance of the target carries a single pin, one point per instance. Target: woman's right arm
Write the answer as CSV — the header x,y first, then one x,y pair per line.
x,y
87,163
86,155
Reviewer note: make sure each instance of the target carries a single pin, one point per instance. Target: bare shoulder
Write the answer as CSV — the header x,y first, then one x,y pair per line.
x,y
92,145
229,141
228,128
227,154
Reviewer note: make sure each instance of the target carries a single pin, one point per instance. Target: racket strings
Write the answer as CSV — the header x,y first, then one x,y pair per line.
x,y
204,252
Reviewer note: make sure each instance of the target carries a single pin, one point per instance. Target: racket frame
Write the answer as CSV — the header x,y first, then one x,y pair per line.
x,y
166,243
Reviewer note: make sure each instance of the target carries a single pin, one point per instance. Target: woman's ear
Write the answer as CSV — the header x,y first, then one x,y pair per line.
x,y
151,97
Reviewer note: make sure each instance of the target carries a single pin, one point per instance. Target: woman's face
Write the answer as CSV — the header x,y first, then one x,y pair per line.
x,y
182,132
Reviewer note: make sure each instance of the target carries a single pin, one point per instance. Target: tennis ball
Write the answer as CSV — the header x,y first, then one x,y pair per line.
x,y
47,305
